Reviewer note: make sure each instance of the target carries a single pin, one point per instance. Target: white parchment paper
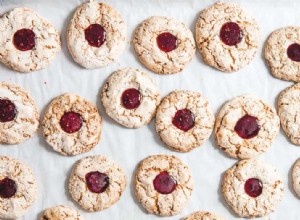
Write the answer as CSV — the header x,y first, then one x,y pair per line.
x,y
128,146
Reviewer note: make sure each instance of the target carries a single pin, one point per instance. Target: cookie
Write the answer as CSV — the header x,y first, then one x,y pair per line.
x,y
184,120
19,117
203,215
246,127
164,45
296,177
96,183
130,97
288,105
282,53
28,42
227,36
96,35
61,212
163,185
72,125
18,188
252,188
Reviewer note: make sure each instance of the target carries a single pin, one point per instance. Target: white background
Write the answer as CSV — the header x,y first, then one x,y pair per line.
x,y
128,146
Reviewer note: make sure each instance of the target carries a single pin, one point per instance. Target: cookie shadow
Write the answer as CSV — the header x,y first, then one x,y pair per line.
x,y
63,37
67,194
40,214
132,190
221,197
290,181
42,141
131,47
155,135
212,138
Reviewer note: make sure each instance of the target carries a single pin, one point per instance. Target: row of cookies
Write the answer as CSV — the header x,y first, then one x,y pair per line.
x,y
245,126
226,35
163,186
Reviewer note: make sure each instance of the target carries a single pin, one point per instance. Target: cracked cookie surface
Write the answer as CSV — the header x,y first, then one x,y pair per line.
x,y
217,54
115,35
296,177
81,141
122,80
26,188
242,204
203,215
47,40
155,202
204,119
96,201
229,140
26,120
150,55
61,212
276,47
288,111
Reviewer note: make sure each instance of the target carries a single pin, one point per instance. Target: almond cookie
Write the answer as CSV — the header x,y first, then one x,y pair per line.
x,y
130,97
288,111
246,127
184,120
252,188
203,215
61,212
28,42
19,117
72,125
164,45
97,35
296,177
227,36
163,185
18,188
282,52
96,183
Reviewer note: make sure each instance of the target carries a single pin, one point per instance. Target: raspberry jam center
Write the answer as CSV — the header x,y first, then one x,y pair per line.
x,y
293,52
231,34
71,122
131,98
97,182
253,187
8,110
95,35
164,183
166,42
247,127
184,120
8,188
24,39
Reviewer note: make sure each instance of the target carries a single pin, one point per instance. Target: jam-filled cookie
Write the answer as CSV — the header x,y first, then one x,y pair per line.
x,y
130,97
28,42
163,185
164,45
96,35
246,127
72,125
96,183
18,188
252,188
282,52
19,117
184,120
227,36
